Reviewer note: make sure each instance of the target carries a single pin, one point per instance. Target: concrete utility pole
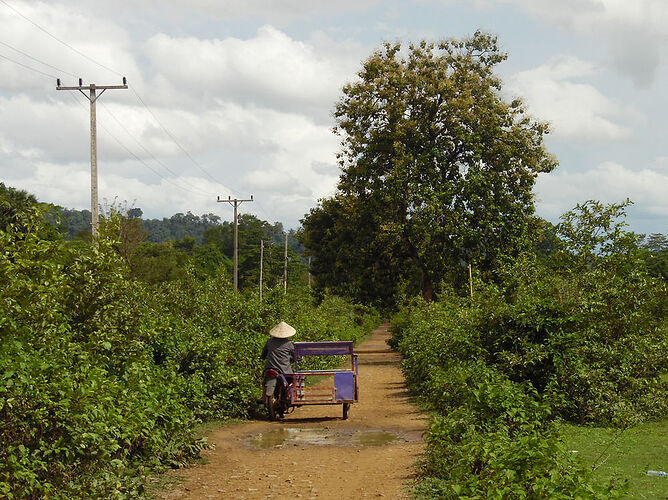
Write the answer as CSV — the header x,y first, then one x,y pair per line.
x,y
236,203
285,266
261,261
92,97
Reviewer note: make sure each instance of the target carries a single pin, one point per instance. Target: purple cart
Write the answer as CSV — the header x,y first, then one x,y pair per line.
x,y
337,386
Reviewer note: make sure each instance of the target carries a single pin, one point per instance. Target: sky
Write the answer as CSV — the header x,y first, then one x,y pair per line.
x,y
235,98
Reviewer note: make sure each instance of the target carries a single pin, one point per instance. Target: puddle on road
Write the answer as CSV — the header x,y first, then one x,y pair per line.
x,y
290,435
373,438
295,437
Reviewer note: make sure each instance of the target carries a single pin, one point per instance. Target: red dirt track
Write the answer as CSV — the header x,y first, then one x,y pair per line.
x,y
313,452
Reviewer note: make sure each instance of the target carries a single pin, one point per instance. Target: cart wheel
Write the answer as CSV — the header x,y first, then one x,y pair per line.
x,y
346,409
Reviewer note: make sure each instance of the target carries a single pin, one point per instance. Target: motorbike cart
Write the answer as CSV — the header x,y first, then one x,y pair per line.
x,y
283,393
275,395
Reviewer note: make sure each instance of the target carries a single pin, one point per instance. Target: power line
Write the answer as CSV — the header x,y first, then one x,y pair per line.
x,y
183,149
59,40
146,150
169,134
37,60
106,109
139,159
175,141
27,67
198,192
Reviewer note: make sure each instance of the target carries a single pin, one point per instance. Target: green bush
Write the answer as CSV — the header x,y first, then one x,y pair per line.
x,y
490,436
596,337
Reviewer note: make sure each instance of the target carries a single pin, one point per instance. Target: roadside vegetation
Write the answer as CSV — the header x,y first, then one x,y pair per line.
x,y
103,377
578,336
566,324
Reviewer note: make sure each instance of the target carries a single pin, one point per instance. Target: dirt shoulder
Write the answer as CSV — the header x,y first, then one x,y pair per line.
x,y
313,452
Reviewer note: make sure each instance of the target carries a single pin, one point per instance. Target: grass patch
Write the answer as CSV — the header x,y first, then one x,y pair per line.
x,y
628,455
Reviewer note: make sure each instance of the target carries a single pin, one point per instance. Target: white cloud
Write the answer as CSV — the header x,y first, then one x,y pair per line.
x,y
636,30
661,164
278,152
276,180
69,185
254,112
247,88
576,111
102,43
609,183
270,8
270,70
324,168
603,14
64,184
44,129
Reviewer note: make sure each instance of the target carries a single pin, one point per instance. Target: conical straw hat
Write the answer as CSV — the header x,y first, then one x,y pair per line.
x,y
282,331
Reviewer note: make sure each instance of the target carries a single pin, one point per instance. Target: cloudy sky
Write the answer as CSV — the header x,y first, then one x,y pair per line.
x,y
235,97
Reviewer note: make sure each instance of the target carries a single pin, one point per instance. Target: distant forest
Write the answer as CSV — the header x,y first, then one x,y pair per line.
x,y
160,250
176,227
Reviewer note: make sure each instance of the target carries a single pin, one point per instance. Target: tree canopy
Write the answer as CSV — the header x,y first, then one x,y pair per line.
x,y
437,167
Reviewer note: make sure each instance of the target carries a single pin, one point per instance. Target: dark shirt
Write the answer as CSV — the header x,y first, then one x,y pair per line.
x,y
278,354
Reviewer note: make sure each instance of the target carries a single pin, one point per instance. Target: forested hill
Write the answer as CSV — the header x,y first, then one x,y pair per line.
x,y
176,227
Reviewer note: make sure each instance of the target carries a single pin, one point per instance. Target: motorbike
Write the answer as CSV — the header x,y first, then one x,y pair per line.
x,y
276,396
283,393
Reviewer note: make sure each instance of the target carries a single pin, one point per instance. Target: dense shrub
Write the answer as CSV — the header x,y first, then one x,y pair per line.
x,y
597,337
102,376
490,436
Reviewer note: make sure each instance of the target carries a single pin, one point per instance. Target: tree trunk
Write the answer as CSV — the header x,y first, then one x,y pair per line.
x,y
426,283
427,287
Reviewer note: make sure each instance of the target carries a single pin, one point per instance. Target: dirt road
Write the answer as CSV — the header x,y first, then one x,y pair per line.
x,y
313,452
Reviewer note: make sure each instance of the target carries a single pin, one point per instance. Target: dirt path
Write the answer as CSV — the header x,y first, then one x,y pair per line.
x,y
313,453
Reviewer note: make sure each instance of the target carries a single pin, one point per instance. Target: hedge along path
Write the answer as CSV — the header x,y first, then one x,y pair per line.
x,y
313,452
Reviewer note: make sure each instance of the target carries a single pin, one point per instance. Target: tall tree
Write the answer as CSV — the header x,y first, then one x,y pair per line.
x,y
656,247
12,203
440,163
351,257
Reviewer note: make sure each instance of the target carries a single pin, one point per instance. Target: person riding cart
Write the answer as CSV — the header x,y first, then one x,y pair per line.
x,y
278,354
285,389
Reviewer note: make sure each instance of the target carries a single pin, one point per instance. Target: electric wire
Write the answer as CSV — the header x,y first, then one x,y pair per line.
x,y
174,139
167,132
186,152
116,139
139,159
26,66
37,60
146,150
199,192
59,40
